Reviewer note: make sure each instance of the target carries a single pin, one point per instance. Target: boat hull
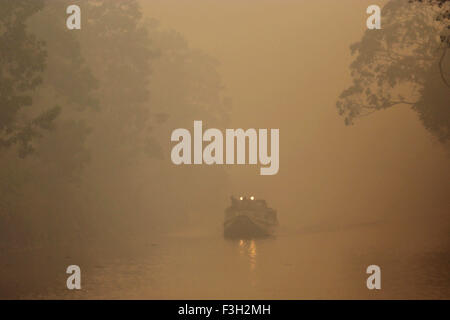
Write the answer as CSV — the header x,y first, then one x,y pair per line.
x,y
244,226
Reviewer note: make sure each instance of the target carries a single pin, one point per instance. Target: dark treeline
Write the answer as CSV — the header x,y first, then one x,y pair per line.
x,y
85,123
404,63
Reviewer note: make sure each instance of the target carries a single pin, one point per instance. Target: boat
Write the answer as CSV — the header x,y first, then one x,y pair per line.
x,y
249,218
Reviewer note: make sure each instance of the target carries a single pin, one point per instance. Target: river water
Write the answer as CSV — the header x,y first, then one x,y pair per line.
x,y
308,264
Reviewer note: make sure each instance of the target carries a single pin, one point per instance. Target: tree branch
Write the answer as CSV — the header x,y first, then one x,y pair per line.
x,y
441,71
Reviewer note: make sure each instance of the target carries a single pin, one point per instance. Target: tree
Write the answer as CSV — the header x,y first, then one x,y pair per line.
x,y
401,64
123,85
52,72
23,60
444,16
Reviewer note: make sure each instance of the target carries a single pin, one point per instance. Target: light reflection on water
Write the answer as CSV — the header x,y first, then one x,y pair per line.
x,y
247,248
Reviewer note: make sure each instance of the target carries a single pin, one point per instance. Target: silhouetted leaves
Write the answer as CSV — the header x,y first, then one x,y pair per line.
x,y
398,65
22,60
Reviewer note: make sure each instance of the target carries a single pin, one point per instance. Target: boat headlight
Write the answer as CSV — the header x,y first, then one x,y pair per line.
x,y
241,198
252,198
